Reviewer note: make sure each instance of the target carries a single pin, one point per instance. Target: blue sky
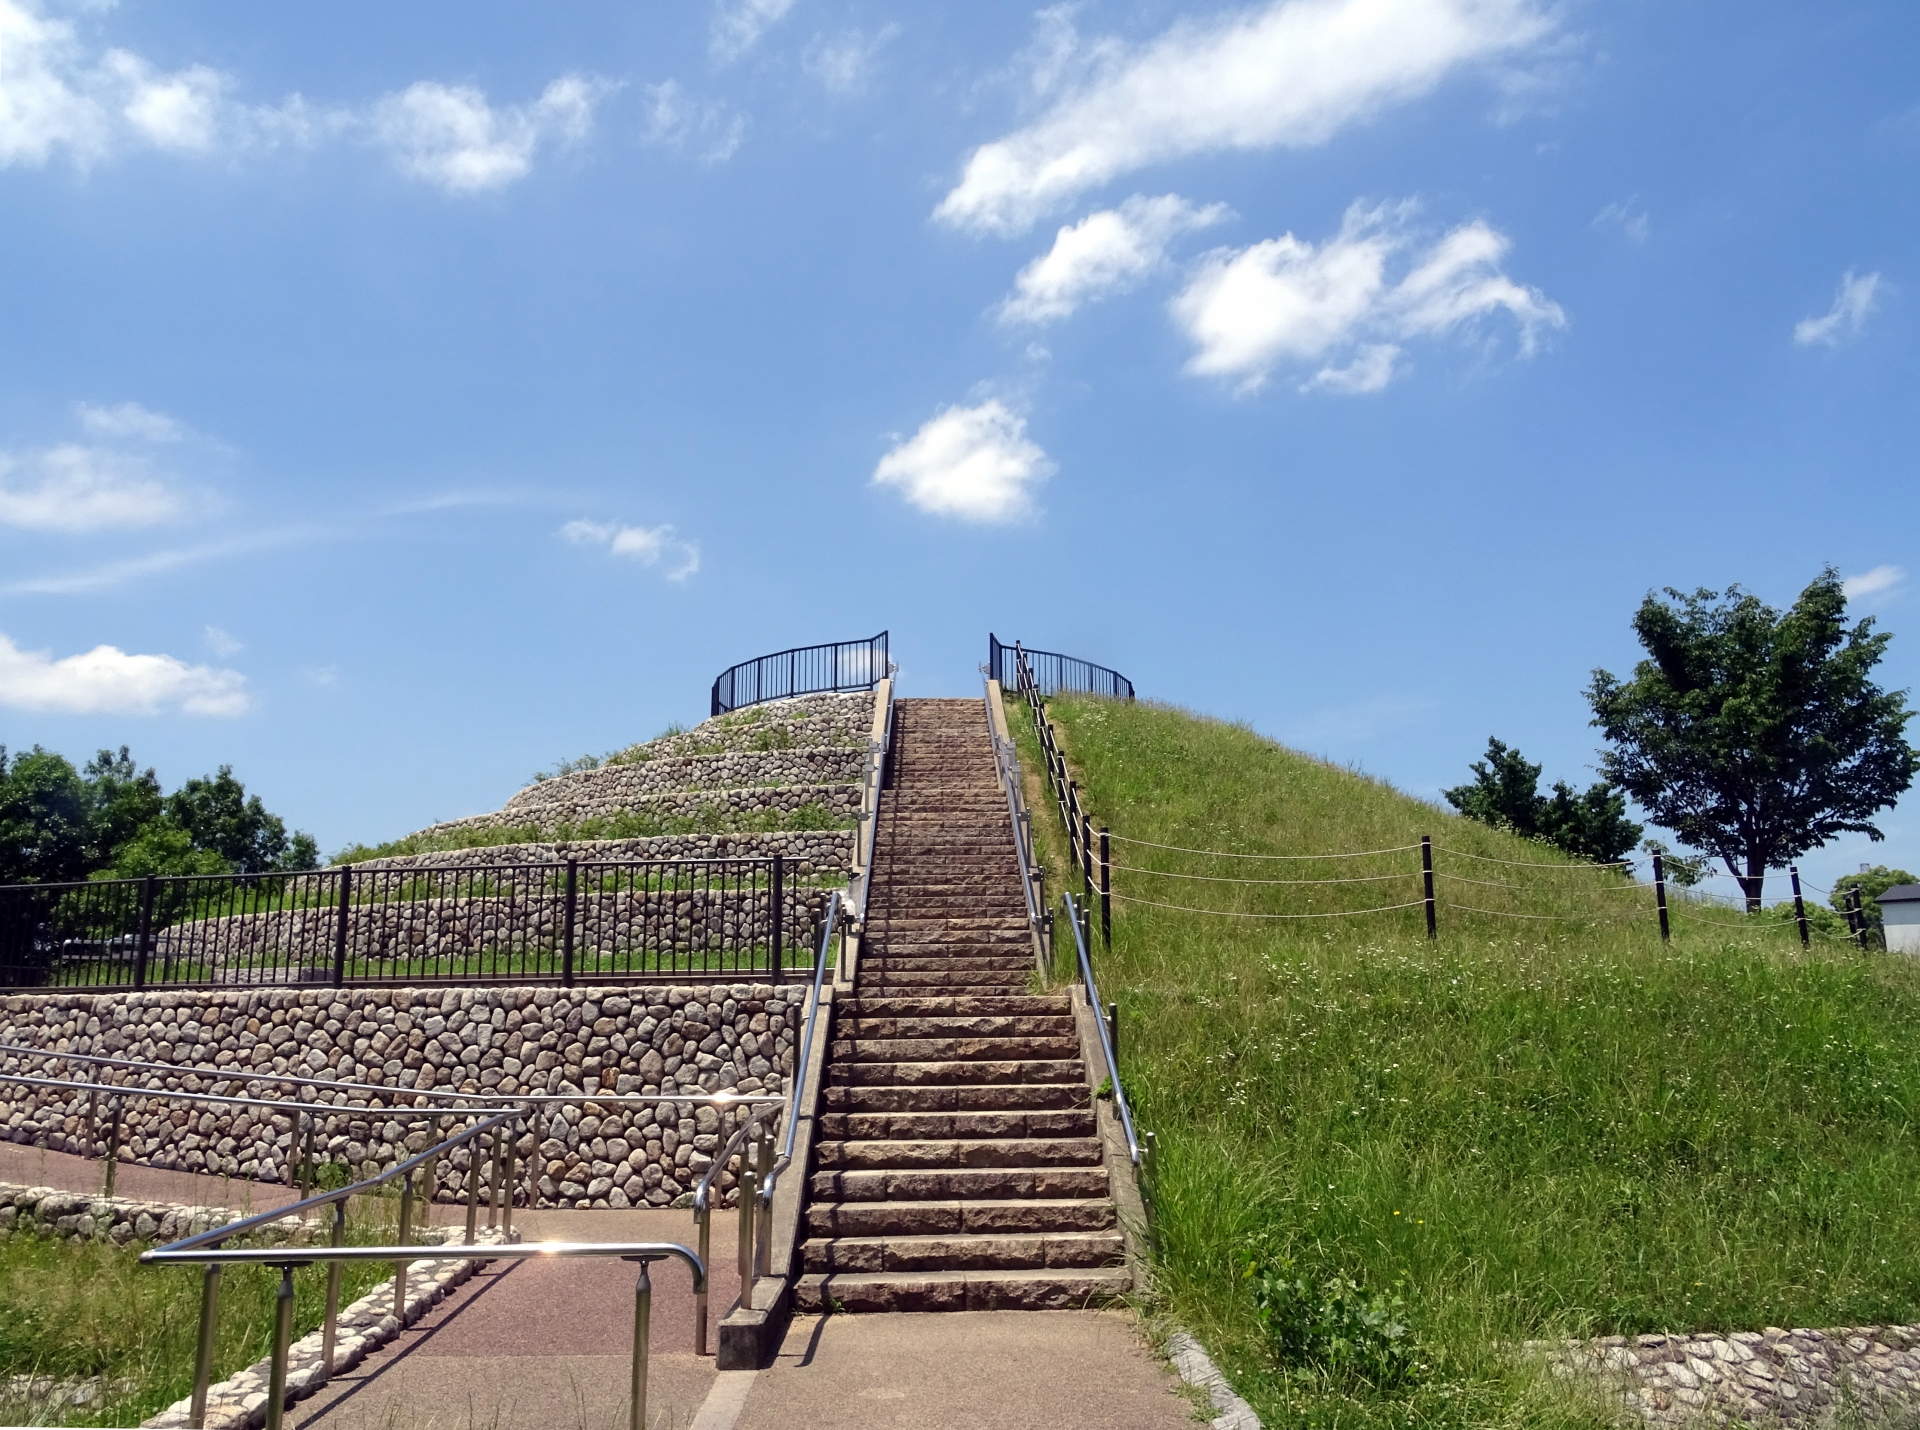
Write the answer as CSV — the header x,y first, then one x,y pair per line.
x,y
408,397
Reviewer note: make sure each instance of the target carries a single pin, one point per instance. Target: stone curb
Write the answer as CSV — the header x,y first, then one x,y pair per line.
x,y
240,1401
1196,1368
82,1216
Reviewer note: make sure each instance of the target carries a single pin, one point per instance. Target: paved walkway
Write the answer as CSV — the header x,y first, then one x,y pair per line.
x,y
37,1167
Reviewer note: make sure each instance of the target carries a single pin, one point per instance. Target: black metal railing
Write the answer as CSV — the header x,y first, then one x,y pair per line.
x,y
1053,672
556,922
804,670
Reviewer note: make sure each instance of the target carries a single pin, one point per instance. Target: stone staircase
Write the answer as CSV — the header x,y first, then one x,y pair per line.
x,y
957,1165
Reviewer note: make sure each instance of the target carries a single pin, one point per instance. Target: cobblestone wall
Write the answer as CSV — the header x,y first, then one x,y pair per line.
x,y
727,806
807,851
496,1040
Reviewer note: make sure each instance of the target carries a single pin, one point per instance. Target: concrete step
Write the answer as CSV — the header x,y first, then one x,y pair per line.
x,y
1018,961
929,1126
960,1218
867,1005
883,981
979,1073
992,1251
859,1026
1059,1048
962,1290
967,1152
945,1184
954,1097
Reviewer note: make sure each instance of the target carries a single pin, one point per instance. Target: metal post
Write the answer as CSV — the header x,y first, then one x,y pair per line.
x,y
400,1267
146,931
499,1176
473,1187
282,1339
703,1221
1799,907
203,1355
1426,871
331,1327
1106,889
506,1207
763,1230
642,1313
1113,1029
1660,894
113,1145
747,1180
340,926
566,937
776,954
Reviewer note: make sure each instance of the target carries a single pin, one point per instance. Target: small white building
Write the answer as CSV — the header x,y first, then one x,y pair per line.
x,y
1900,913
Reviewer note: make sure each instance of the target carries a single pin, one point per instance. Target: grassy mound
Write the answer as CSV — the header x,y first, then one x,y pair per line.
x,y
1530,1127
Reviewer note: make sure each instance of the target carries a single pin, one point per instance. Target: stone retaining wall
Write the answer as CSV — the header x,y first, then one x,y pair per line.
x,y
807,851
618,786
78,1216
727,806
1864,1373
496,1040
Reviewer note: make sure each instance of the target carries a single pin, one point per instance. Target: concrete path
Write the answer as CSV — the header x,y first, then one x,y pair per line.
x,y
36,1167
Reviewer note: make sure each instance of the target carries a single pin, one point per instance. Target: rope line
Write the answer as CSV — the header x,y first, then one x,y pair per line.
x,y
1230,914
1532,863
1229,854
1227,879
1499,914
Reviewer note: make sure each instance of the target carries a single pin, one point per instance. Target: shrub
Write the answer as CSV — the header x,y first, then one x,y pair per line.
x,y
1332,1326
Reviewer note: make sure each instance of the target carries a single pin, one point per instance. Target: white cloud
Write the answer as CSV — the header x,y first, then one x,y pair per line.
x,y
221,643
450,136
1852,305
108,681
1106,252
739,24
1285,301
1291,73
76,488
706,128
649,545
1629,216
975,463
1880,581
131,420
841,64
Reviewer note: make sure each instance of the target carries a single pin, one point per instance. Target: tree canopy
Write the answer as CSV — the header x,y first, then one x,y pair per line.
x,y
110,820
1505,793
1755,735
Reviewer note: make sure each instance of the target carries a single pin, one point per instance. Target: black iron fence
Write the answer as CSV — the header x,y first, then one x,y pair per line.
x,y
557,922
1052,672
804,670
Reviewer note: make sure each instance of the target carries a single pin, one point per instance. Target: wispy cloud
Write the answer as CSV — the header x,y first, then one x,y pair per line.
x,y
1287,74
130,421
116,573
1628,217
708,129
1858,296
75,488
1871,585
1106,252
975,463
652,546
220,643
843,62
739,24
107,680
451,137
1286,301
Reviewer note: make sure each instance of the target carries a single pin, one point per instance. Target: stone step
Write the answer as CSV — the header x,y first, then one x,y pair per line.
x,y
1013,962
954,1097
999,1251
1063,1290
940,1073
945,1025
867,1005
952,1126
883,981
945,1184
967,1152
960,1218
1061,1047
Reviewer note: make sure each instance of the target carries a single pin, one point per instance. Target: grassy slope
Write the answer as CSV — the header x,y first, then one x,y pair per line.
x,y
1540,1127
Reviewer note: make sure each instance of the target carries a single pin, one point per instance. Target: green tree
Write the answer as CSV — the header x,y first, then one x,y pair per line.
x,y
220,816
1871,883
122,800
1505,793
46,819
1755,735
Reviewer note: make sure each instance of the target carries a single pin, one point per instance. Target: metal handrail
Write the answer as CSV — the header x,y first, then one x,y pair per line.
x,y
703,1216
1006,761
288,1259
1069,672
869,648
873,779
763,1242
1106,1034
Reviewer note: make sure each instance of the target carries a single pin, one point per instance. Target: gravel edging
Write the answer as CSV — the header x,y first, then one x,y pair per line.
x,y
1197,1369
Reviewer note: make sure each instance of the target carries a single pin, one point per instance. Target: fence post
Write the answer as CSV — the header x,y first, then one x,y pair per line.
x,y
776,951
1660,893
145,931
1799,907
566,937
340,926
1106,892
1426,872
1859,917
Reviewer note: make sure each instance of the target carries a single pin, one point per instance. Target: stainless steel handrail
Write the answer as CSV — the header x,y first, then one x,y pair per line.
x,y
287,1259
873,779
1006,763
703,1215
763,1242
1106,1034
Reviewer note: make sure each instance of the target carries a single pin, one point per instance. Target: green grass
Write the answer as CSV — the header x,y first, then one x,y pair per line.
x,y
1533,1128
74,1310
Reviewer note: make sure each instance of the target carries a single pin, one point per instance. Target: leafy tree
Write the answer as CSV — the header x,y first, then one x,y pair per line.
x,y
123,799
1506,794
221,817
162,847
46,824
1755,735
1871,883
